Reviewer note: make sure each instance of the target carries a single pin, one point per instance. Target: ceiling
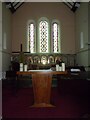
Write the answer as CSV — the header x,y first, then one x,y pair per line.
x,y
13,6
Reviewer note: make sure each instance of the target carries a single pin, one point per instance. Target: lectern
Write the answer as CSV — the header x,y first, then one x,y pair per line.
x,y
41,80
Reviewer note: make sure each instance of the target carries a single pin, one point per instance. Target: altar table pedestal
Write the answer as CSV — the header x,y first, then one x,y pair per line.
x,y
41,81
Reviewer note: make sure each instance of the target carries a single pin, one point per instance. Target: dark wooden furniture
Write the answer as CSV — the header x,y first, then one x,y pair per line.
x,y
41,81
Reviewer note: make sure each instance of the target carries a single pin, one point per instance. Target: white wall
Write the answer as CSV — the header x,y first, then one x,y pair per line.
x,y
6,37
5,48
89,35
82,34
0,59
0,40
29,11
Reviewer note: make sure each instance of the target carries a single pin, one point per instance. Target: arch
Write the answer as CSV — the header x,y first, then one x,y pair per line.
x,y
31,36
55,36
43,35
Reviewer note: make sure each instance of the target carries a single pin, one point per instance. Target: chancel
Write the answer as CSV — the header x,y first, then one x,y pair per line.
x,y
44,59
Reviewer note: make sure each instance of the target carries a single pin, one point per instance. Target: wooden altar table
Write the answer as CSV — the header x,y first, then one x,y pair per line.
x,y
41,81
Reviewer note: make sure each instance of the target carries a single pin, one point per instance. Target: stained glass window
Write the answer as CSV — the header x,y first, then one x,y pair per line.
x,y
41,40
31,38
55,29
43,30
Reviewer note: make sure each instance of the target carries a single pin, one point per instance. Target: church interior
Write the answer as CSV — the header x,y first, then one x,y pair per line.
x,y
28,37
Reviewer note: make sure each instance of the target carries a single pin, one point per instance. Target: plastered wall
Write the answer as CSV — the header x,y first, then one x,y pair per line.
x,y
51,11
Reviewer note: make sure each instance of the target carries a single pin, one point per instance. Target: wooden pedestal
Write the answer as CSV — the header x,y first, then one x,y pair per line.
x,y
41,81
42,90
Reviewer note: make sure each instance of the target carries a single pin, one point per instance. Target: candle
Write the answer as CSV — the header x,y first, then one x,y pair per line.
x,y
21,66
25,67
63,66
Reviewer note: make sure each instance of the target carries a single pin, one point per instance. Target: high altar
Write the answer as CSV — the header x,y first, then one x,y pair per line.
x,y
41,81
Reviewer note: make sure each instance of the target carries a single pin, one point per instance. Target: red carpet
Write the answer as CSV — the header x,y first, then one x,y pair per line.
x,y
18,106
